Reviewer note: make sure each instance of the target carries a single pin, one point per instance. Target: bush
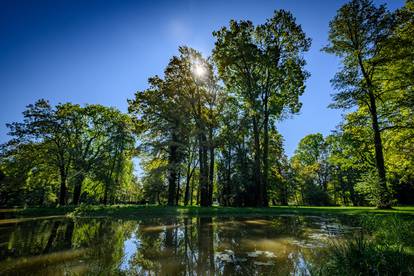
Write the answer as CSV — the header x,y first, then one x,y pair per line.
x,y
370,189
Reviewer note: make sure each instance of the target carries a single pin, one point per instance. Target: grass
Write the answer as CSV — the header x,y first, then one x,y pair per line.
x,y
361,256
131,211
384,246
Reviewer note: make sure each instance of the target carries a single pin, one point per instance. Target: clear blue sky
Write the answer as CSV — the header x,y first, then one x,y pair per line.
x,y
89,51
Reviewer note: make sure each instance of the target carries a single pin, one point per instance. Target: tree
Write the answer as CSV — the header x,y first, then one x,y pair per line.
x,y
279,187
154,179
68,142
397,67
163,118
265,67
50,127
95,130
235,164
311,167
396,77
160,122
177,108
192,162
197,81
112,168
347,157
26,173
358,34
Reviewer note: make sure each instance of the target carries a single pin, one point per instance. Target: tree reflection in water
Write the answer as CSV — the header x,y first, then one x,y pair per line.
x,y
165,246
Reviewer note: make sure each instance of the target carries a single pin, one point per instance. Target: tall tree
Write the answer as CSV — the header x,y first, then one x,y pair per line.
x,y
358,34
174,110
93,127
45,124
114,162
204,97
235,176
161,123
265,67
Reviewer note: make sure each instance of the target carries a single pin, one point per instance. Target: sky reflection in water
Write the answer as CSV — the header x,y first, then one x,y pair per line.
x,y
168,246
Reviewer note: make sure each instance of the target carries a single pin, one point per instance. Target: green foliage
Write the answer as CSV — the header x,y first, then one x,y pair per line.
x,y
376,76
358,34
205,131
57,149
311,169
181,107
368,186
382,250
263,66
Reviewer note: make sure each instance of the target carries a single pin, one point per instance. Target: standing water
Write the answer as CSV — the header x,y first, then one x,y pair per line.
x,y
279,245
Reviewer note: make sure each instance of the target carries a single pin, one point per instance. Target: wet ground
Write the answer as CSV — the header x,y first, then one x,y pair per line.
x,y
281,245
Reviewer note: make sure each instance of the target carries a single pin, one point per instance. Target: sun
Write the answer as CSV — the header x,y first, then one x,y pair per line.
x,y
199,70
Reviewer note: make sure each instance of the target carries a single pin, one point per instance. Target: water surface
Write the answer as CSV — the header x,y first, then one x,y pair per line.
x,y
282,245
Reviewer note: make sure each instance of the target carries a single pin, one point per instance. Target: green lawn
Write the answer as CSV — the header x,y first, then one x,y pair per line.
x,y
131,211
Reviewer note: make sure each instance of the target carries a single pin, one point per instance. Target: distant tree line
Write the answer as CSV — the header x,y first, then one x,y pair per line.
x,y
68,152
205,132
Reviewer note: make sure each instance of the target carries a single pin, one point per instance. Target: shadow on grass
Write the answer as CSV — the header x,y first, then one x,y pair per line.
x,y
131,211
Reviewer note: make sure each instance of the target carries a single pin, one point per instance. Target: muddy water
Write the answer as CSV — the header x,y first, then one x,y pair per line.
x,y
283,245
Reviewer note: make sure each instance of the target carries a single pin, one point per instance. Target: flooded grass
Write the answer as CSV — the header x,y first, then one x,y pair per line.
x,y
167,245
188,244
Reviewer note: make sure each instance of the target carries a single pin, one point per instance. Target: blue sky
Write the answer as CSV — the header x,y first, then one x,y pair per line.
x,y
101,52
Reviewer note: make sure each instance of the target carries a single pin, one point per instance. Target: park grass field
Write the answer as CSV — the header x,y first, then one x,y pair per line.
x,y
136,211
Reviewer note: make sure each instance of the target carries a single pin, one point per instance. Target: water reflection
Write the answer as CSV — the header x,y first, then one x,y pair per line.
x,y
166,246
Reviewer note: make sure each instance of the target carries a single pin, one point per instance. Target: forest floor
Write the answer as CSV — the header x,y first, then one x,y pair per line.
x,y
136,211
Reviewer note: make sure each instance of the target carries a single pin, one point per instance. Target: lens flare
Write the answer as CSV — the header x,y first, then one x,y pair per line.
x,y
199,70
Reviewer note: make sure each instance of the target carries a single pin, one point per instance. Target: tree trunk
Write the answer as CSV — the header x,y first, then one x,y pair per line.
x,y
189,174
354,200
158,199
198,195
379,156
203,171
257,165
62,192
211,173
172,175
105,199
342,185
187,189
302,195
78,188
228,180
177,198
385,201
263,197
192,193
